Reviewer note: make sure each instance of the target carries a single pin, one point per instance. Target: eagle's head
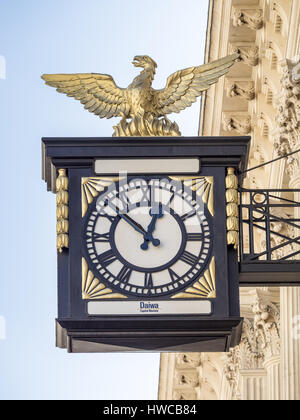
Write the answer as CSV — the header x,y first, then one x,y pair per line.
x,y
144,61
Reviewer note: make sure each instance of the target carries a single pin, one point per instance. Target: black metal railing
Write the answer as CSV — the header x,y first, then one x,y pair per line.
x,y
269,226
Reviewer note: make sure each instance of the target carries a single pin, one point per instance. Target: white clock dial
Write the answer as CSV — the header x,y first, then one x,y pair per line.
x,y
148,237
167,230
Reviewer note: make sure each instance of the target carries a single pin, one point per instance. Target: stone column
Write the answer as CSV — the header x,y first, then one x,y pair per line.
x,y
272,367
244,367
253,385
267,330
290,354
252,369
166,376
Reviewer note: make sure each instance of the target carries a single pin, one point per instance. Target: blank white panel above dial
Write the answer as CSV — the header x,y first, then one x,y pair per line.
x,y
147,166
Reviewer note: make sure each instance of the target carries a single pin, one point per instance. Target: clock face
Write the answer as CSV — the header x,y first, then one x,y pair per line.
x,y
148,237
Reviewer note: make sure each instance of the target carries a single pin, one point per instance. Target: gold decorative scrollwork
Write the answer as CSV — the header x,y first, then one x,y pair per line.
x,y
204,187
232,208
91,188
62,210
93,289
204,288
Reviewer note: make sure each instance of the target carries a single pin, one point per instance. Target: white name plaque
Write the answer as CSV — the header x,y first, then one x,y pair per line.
x,y
161,307
147,166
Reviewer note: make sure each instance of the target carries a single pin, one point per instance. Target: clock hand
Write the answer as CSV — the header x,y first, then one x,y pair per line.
x,y
152,224
133,223
149,237
128,219
140,229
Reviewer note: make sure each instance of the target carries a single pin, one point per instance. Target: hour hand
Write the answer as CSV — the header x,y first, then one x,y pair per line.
x,y
149,235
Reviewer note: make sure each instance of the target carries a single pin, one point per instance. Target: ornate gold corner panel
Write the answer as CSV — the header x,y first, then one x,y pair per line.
x,y
93,289
62,210
92,187
204,288
204,187
232,208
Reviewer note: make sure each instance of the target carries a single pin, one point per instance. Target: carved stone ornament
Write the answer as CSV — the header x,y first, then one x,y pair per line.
x,y
189,378
264,122
278,17
249,54
184,395
269,91
186,376
258,152
190,360
143,109
267,326
294,68
252,18
235,121
260,341
242,89
288,115
246,356
273,54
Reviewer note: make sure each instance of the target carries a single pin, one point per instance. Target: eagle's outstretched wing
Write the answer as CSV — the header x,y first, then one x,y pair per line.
x,y
184,86
97,92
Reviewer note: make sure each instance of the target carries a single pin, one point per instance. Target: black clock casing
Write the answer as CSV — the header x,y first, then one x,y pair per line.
x,y
80,331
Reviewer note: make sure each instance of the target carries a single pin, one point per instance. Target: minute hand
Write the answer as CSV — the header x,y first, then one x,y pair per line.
x,y
134,224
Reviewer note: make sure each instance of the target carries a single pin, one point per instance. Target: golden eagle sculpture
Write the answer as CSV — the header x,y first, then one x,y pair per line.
x,y
143,109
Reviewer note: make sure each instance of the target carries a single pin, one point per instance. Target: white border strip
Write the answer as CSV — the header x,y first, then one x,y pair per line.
x,y
147,166
161,307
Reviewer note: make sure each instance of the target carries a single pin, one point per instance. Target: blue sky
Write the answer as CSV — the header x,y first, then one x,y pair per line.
x,y
69,36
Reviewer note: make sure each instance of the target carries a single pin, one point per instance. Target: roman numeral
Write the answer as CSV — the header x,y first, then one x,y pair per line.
x,y
145,197
195,237
107,258
171,199
124,199
100,237
174,277
189,258
124,275
148,280
188,215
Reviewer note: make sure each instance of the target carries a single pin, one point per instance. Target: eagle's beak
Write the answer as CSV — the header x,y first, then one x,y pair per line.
x,y
137,61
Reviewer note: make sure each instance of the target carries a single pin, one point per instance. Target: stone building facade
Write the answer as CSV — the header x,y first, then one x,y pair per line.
x,y
259,97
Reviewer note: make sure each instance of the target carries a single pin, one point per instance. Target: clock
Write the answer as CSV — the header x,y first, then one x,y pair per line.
x,y
148,237
146,230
